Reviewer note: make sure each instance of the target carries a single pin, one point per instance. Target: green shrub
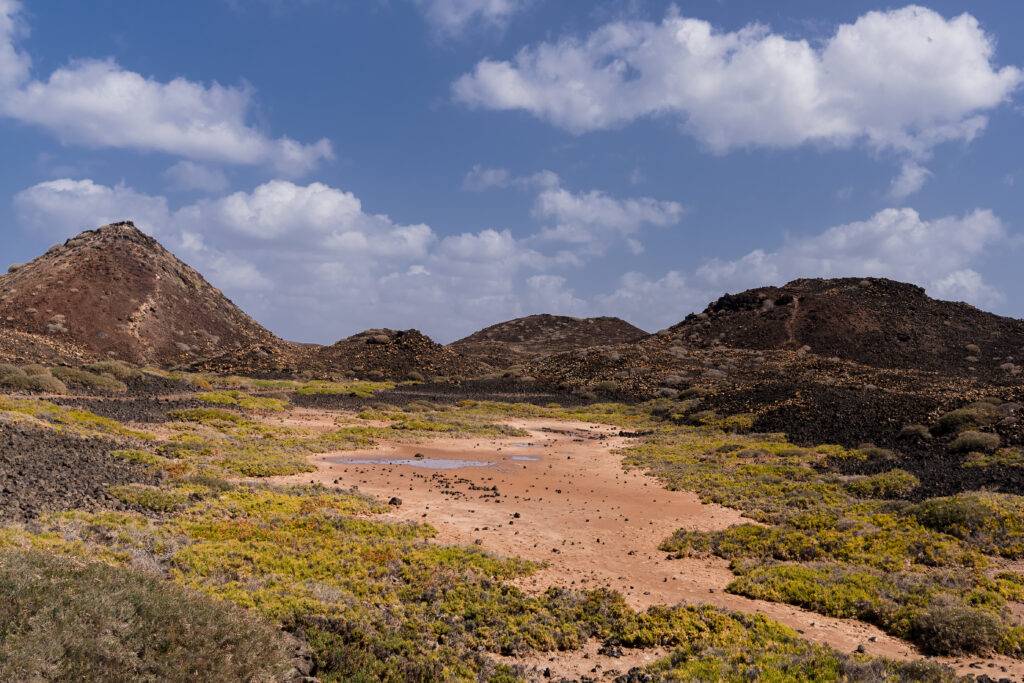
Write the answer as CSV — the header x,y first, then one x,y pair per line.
x,y
993,522
137,455
362,389
117,369
47,384
62,619
974,415
971,440
14,382
1004,457
20,381
207,416
892,484
152,498
83,379
35,369
956,629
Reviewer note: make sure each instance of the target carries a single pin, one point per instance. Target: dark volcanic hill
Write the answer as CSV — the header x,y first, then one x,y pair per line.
x,y
524,339
396,354
872,321
371,354
117,292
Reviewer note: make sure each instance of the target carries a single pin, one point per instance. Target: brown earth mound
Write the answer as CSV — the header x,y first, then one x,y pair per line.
x,y
872,321
117,292
516,341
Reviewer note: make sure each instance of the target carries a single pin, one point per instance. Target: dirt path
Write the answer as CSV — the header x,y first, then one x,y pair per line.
x,y
561,496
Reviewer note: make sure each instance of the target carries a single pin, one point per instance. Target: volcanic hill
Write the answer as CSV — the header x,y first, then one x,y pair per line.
x,y
524,339
118,293
873,321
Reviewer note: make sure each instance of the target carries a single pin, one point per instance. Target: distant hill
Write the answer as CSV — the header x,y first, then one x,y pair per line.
x,y
873,321
398,354
524,339
118,293
371,354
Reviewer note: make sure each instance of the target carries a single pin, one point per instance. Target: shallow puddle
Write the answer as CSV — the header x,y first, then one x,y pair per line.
x,y
425,463
525,458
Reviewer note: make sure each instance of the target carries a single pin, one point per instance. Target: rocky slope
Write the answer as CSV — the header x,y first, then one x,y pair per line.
x,y
22,347
524,339
873,321
116,292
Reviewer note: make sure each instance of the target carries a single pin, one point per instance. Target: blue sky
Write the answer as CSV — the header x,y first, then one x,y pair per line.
x,y
445,164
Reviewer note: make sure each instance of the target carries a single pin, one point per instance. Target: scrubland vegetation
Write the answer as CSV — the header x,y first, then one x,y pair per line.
x,y
379,600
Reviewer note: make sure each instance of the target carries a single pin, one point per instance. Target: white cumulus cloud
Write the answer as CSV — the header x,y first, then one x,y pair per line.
x,y
98,103
454,17
904,79
592,221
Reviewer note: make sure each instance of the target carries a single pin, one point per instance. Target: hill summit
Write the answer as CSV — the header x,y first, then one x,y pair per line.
x,y
534,336
116,292
873,321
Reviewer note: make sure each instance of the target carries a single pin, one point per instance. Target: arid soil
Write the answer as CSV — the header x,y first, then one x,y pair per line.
x,y
561,496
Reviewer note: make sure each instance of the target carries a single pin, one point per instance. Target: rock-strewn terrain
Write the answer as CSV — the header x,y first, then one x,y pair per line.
x,y
44,470
23,347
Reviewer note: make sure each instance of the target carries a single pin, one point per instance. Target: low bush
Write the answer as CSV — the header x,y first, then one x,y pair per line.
x,y
915,431
62,619
117,369
18,380
892,484
946,628
359,388
978,414
214,416
993,522
970,441
83,379
1004,457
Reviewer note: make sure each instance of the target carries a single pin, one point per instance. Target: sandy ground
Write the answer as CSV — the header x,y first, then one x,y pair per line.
x,y
561,496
